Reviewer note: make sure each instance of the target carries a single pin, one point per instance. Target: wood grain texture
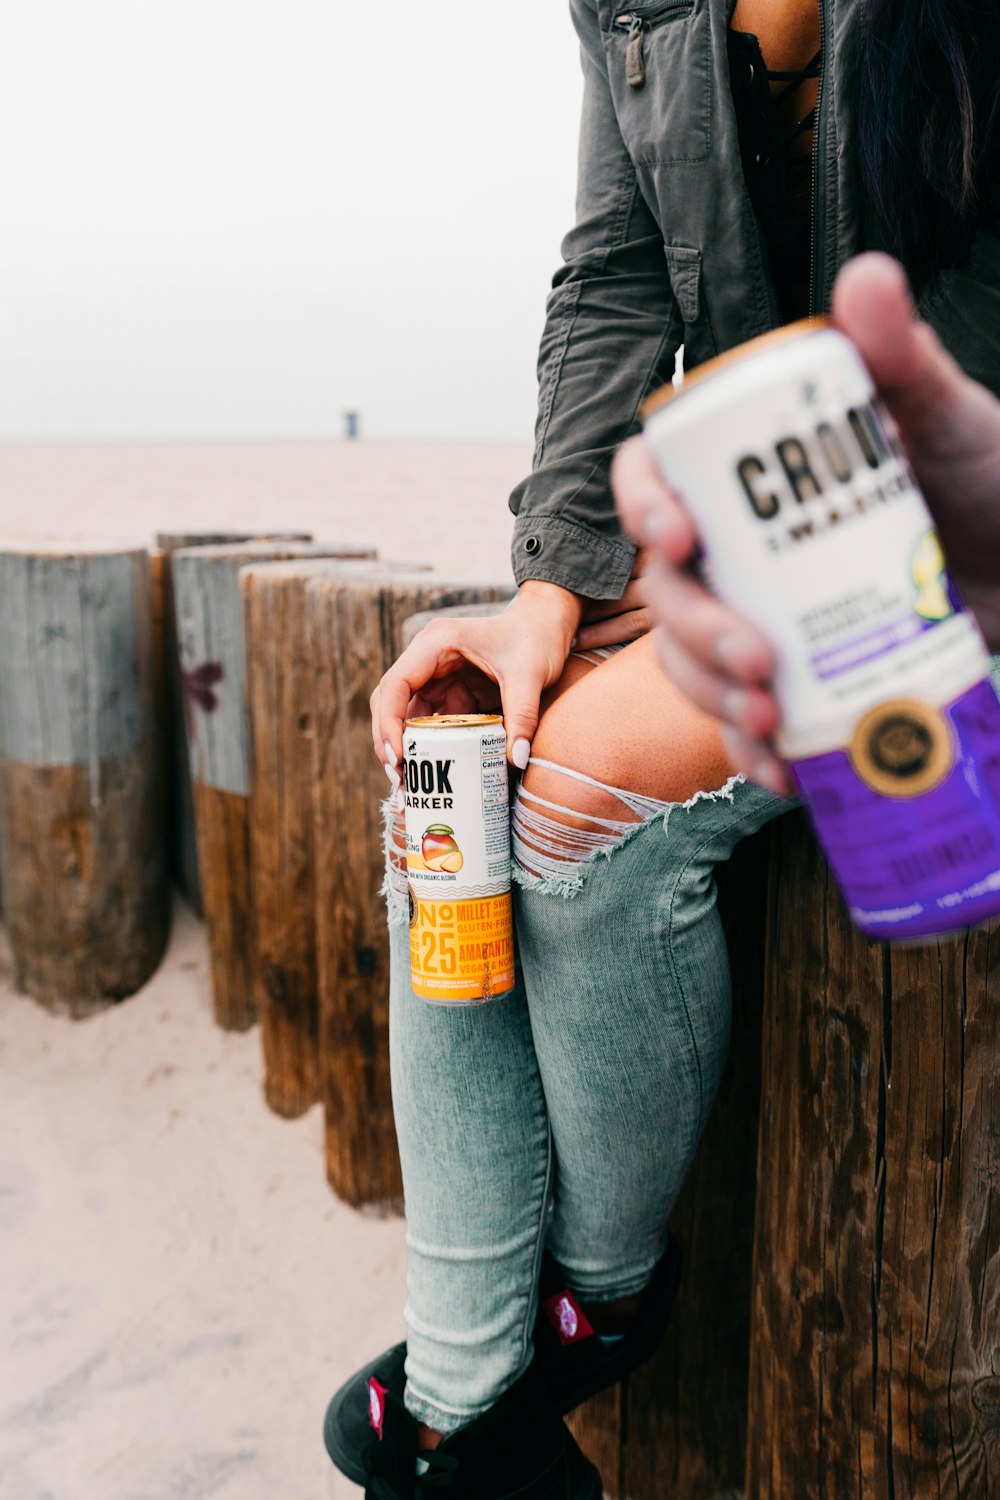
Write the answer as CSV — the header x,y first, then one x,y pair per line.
x,y
224,860
676,1429
357,634
280,678
76,629
877,1262
85,885
600,1426
182,849
208,611
158,604
81,843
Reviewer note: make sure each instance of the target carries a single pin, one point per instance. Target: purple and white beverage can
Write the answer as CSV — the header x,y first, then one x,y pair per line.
x,y
813,525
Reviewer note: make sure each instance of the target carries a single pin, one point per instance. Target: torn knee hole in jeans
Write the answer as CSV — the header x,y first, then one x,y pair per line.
x,y
394,886
555,844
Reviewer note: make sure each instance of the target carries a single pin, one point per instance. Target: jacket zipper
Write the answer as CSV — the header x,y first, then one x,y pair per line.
x,y
815,238
637,21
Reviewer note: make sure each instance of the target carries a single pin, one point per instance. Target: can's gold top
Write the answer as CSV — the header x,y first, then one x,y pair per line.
x,y
453,721
713,366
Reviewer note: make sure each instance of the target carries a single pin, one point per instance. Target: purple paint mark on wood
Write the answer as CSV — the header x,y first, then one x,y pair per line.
x,y
197,686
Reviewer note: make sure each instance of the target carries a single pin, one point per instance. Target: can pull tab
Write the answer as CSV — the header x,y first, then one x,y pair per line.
x,y
635,62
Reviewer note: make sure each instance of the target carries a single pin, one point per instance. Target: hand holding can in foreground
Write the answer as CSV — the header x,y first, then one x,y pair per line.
x,y
812,526
951,427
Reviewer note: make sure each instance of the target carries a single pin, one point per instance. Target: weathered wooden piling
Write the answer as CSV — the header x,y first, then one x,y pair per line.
x,y
280,683
415,624
357,634
85,891
182,851
208,614
158,605
876,1312
854,1355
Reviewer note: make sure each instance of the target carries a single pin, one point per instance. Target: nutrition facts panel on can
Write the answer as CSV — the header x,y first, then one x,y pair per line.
x,y
496,811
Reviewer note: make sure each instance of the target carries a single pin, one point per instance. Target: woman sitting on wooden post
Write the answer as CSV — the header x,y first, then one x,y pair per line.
x,y
562,1118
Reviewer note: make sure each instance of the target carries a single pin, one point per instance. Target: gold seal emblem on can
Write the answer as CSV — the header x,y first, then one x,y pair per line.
x,y
902,748
458,857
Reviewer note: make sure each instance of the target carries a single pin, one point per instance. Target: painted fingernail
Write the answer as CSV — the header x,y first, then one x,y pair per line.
x,y
734,704
521,753
768,773
396,800
723,646
392,774
731,738
653,524
390,754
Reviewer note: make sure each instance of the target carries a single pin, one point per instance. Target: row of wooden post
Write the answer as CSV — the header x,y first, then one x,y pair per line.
x,y
261,654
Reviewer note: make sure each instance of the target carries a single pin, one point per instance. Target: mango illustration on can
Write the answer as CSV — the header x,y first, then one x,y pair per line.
x,y
458,864
439,850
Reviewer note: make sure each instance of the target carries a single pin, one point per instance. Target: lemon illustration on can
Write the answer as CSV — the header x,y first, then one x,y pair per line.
x,y
439,849
928,569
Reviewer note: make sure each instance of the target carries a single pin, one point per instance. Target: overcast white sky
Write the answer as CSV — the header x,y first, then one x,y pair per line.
x,y
235,218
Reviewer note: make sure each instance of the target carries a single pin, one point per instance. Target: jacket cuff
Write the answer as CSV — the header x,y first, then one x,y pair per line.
x,y
554,550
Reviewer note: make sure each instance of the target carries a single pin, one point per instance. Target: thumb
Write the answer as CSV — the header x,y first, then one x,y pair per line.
x,y
873,306
520,697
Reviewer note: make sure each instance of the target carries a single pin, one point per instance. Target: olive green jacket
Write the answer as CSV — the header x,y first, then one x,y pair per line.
x,y
667,251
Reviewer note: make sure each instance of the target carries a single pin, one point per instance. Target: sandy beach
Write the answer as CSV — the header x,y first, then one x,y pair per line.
x,y
443,504
180,1291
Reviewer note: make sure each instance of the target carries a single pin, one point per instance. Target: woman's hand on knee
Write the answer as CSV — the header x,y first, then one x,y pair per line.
x,y
501,663
714,655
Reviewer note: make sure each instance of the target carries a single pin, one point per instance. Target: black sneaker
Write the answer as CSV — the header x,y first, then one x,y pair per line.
x,y
355,1412
572,1361
518,1450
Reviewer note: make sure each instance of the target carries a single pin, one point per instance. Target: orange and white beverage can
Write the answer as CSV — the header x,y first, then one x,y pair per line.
x,y
458,857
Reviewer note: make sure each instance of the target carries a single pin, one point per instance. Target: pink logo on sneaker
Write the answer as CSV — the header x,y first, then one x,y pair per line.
x,y
567,1318
376,1405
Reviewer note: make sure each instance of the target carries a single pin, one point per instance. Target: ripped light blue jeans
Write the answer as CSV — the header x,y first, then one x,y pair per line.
x,y
564,1115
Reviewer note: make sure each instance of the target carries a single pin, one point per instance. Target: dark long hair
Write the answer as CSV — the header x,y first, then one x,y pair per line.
x,y
929,126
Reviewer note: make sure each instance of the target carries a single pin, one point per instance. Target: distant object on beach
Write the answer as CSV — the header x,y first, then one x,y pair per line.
x,y
352,424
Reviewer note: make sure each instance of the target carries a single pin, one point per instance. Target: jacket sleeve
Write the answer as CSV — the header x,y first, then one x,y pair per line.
x,y
963,306
611,333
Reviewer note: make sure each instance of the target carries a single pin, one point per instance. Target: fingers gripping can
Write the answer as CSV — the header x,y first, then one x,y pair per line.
x,y
812,524
458,857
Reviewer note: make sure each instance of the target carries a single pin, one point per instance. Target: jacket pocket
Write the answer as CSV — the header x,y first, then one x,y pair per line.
x,y
659,68
684,269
